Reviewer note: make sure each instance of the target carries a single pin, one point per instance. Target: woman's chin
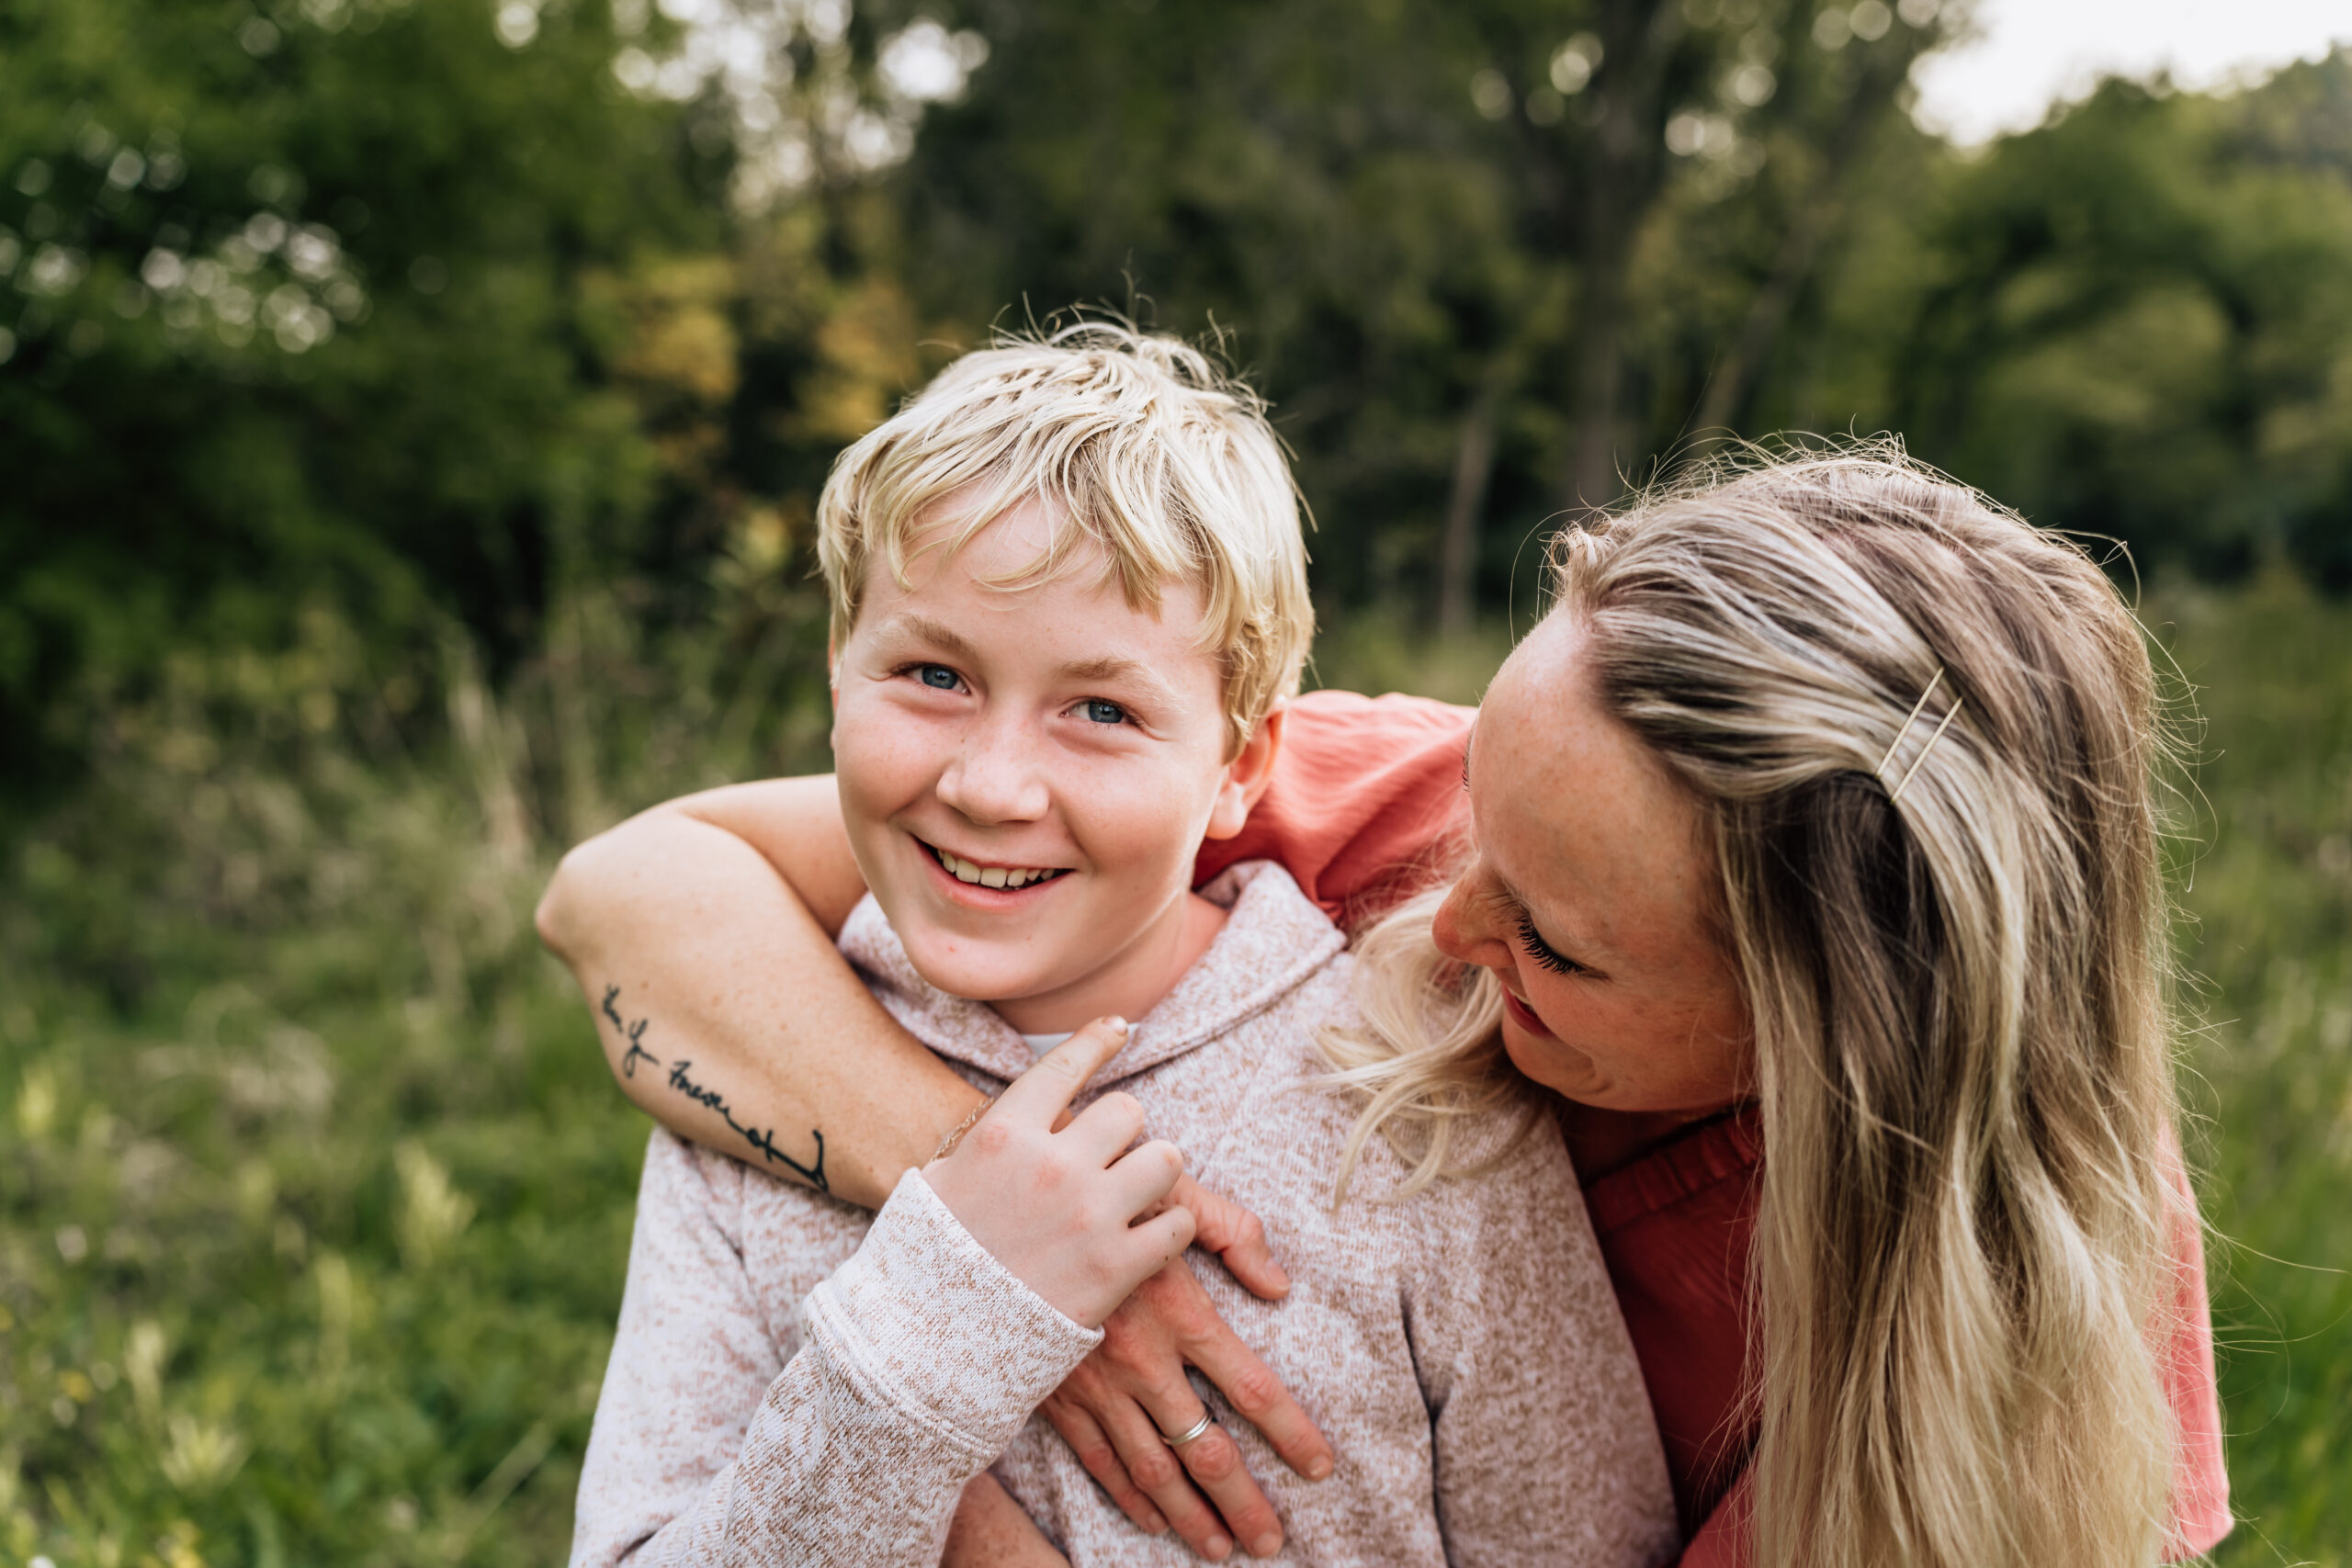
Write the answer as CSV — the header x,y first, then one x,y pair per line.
x,y
1557,1066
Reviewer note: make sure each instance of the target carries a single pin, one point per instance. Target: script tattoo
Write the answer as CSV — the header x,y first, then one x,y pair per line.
x,y
632,1032
759,1138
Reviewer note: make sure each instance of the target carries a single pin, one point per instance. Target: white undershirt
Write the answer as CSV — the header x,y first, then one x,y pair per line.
x,y
1041,1044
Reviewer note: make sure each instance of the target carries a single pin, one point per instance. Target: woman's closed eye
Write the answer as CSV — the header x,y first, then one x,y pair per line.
x,y
1542,952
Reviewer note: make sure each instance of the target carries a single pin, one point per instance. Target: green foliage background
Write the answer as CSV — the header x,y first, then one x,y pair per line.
x,y
411,411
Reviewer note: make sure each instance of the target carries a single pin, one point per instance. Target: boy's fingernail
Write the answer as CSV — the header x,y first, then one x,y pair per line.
x,y
1116,1025
1318,1467
1216,1546
1266,1545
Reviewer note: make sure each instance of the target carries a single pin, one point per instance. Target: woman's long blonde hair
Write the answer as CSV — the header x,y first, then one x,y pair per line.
x,y
1957,988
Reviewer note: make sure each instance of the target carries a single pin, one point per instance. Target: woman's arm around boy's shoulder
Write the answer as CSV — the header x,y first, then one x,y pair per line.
x,y
1547,1450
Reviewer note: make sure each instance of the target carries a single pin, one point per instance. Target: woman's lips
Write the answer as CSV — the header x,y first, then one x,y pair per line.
x,y
1524,1015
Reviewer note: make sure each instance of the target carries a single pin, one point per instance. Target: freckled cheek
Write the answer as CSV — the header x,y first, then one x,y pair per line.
x,y
1139,820
882,760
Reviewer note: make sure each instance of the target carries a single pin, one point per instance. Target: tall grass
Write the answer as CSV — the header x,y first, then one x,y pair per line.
x,y
314,1200
2267,939
315,1196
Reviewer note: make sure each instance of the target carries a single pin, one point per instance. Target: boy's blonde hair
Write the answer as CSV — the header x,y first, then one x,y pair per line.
x,y
1144,447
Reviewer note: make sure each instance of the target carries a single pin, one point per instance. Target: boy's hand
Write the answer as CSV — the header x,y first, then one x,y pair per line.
x,y
1060,1208
1118,1409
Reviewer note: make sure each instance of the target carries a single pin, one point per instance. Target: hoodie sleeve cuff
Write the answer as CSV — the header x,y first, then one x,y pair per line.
x,y
936,1326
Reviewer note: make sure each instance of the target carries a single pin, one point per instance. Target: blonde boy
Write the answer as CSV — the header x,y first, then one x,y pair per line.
x,y
1069,597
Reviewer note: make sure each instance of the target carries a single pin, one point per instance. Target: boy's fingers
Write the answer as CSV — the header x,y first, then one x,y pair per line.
x,y
1103,1129
1234,1234
1046,1089
1140,1182
1158,1241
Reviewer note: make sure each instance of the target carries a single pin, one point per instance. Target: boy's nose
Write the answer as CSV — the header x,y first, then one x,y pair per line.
x,y
994,776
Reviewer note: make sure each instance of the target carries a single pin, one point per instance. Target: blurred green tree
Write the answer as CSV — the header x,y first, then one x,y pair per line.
x,y
451,308
303,316
1485,256
425,310
2137,321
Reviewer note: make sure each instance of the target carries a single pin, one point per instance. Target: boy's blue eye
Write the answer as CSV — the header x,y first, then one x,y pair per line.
x,y
936,676
1100,712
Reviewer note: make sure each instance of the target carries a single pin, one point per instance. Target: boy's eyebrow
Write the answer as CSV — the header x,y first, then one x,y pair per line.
x,y
1117,668
939,633
1110,667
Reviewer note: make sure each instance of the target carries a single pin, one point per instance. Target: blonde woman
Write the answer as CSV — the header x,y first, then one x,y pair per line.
x,y
1816,872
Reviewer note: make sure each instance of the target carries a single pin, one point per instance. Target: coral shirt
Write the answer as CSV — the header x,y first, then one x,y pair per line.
x,y
1365,801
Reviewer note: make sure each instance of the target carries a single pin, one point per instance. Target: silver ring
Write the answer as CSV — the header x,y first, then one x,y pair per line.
x,y
1198,1428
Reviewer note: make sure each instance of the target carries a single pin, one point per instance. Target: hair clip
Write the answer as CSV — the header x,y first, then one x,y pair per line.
x,y
1917,708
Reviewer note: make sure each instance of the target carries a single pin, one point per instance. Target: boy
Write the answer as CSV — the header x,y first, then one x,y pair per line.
x,y
1068,595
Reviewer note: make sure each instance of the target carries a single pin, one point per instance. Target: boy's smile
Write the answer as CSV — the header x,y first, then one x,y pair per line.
x,y
1012,878
1026,774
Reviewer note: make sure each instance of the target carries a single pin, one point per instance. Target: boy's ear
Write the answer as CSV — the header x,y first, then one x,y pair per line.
x,y
1247,777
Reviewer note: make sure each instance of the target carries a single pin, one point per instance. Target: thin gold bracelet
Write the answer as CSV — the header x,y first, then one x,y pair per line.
x,y
948,1144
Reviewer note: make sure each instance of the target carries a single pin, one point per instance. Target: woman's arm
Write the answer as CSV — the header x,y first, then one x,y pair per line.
x,y
701,934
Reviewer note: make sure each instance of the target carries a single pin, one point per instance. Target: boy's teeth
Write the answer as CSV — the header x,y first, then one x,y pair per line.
x,y
990,876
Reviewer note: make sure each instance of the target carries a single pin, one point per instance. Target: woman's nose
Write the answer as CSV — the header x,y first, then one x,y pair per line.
x,y
994,776
1460,928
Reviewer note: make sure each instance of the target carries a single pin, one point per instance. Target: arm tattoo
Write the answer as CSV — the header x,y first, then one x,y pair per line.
x,y
762,1139
631,1032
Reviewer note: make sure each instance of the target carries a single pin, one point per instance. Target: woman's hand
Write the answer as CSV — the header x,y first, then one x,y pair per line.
x,y
1117,1409
1074,1213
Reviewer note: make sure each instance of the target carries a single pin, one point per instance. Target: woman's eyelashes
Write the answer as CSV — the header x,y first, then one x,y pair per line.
x,y
1542,952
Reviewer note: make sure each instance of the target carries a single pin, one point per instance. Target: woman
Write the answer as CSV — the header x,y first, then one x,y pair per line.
x,y
1816,818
